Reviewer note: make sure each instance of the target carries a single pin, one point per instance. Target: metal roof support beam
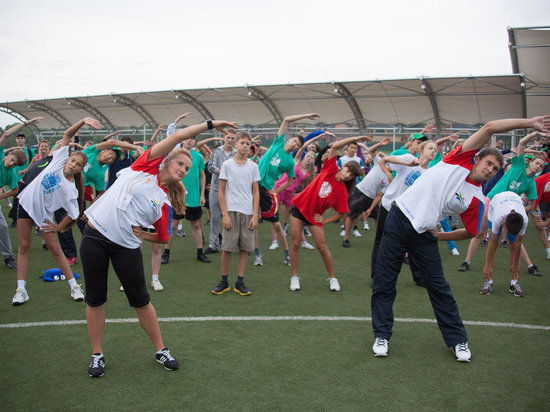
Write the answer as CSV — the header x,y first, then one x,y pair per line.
x,y
523,96
267,102
350,100
21,118
92,110
187,98
513,50
435,109
118,98
52,112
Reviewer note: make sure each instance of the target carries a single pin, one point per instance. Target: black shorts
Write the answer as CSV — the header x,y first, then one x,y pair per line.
x,y
268,205
193,213
22,213
358,203
298,215
96,252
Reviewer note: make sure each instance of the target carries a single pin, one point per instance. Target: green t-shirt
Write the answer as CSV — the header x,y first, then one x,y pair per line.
x,y
516,180
275,162
8,176
192,181
30,152
94,173
438,158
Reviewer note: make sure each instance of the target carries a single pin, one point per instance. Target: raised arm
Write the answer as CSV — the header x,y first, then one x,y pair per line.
x,y
483,135
342,142
301,150
202,142
375,147
107,137
16,128
164,147
522,145
71,131
160,128
291,119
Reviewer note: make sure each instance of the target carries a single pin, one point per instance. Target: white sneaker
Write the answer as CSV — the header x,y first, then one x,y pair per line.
x,y
462,352
287,260
155,284
121,288
274,246
76,293
294,283
306,245
334,285
366,225
380,347
455,252
548,255
20,297
356,233
258,260
307,232
343,233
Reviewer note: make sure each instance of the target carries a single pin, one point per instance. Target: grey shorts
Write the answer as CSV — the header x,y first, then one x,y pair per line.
x,y
239,237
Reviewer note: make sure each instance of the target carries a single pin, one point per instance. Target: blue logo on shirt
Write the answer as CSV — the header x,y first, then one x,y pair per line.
x,y
411,177
50,183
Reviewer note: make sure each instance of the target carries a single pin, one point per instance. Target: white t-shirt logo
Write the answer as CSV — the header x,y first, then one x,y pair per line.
x,y
325,190
275,161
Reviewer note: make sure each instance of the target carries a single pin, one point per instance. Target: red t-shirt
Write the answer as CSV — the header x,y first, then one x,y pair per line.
x,y
323,193
543,188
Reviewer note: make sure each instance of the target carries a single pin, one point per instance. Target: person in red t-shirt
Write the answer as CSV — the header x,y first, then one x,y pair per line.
x,y
330,189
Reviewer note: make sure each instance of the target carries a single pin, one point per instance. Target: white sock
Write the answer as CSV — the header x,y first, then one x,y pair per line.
x,y
155,277
513,282
21,284
490,281
180,226
72,282
548,250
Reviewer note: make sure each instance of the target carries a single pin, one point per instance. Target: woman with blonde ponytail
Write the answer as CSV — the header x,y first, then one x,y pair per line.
x,y
143,195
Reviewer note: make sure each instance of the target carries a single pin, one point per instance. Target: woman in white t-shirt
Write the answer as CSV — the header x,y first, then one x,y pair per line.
x,y
144,194
59,185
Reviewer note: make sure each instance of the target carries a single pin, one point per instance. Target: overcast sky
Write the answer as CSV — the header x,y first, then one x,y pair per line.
x,y
64,48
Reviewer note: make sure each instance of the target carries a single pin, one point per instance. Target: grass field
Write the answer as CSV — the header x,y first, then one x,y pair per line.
x,y
281,350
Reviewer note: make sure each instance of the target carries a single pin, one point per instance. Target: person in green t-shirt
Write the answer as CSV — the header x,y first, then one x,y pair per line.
x,y
276,161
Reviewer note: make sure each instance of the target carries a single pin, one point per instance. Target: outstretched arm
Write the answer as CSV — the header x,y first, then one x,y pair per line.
x,y
71,131
160,128
301,150
16,128
522,145
483,135
341,143
375,147
291,119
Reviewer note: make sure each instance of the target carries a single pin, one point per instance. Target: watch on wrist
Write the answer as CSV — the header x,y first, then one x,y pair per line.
x,y
209,124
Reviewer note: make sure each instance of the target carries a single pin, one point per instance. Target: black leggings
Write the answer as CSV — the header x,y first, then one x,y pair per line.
x,y
95,252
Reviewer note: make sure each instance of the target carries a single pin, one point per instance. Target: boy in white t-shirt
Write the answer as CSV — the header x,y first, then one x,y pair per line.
x,y
506,209
239,198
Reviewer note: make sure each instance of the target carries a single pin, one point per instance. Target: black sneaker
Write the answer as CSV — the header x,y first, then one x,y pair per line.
x,y
44,246
533,270
165,257
464,267
202,258
241,289
484,243
168,361
10,263
516,290
222,287
346,243
95,370
210,250
504,243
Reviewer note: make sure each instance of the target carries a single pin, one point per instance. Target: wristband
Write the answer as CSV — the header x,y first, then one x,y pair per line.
x,y
209,124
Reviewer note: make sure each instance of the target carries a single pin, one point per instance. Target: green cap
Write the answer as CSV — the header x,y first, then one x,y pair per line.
x,y
418,136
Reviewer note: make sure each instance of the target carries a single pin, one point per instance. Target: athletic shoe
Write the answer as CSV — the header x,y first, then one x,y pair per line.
x,y
44,246
455,252
285,229
165,257
343,233
516,290
76,293
548,255
464,267
207,223
366,225
484,243
168,361
258,260
180,233
346,243
10,263
306,245
241,289
209,250
356,233
504,243
157,287
20,297
202,258
95,370
334,285
121,288
287,260
307,232
380,347
533,270
72,260
462,352
294,283
487,288
274,245
406,259
221,288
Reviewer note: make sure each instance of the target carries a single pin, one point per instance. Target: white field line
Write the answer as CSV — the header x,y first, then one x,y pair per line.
x,y
267,318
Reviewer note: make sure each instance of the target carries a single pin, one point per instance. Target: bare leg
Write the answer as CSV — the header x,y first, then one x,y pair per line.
x,y
280,234
243,258
155,258
318,234
196,230
296,230
226,260
474,243
148,320
55,250
24,229
95,317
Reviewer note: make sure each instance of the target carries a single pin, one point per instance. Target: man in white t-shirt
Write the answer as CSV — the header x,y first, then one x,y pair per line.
x,y
506,209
